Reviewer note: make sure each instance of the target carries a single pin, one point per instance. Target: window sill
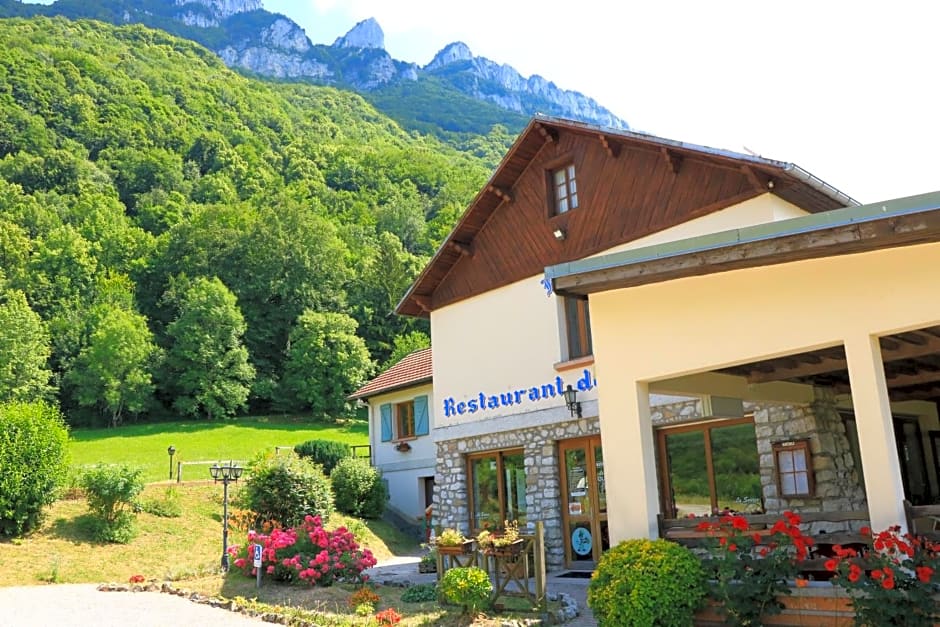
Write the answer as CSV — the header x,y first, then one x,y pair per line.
x,y
577,362
407,439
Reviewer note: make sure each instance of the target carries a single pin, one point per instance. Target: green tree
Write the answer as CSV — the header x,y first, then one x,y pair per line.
x,y
24,351
207,359
327,362
113,371
405,345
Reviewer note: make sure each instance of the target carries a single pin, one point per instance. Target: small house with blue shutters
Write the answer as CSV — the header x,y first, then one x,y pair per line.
x,y
400,402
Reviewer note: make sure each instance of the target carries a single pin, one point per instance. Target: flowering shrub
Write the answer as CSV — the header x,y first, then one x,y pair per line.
x,y
450,537
308,555
894,582
469,587
751,568
362,595
388,617
646,583
137,579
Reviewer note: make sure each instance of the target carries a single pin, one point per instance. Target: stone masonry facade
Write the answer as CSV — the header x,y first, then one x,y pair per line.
x,y
543,488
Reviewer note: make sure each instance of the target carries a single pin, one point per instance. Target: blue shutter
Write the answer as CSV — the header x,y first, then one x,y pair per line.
x,y
386,411
422,422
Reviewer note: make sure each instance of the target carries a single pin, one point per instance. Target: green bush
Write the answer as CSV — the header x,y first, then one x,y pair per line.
x,y
421,593
327,453
646,583
469,587
112,492
359,488
33,463
169,506
285,488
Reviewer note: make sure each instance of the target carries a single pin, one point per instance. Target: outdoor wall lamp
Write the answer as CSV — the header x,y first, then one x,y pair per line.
x,y
171,450
225,474
572,402
559,234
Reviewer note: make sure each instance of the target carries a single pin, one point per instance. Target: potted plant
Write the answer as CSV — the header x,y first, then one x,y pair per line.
x,y
428,563
505,542
453,542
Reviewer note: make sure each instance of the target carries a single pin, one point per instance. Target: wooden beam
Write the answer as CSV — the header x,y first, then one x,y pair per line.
x,y
548,134
930,346
827,364
499,193
612,148
907,380
461,247
424,302
673,161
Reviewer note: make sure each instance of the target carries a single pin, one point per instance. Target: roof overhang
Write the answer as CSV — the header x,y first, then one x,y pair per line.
x,y
898,222
801,188
379,392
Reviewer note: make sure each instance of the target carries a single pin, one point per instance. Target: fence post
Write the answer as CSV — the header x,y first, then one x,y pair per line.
x,y
541,590
179,471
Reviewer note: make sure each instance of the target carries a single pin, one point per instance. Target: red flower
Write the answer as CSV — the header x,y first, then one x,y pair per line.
x,y
137,578
703,526
865,531
801,583
756,538
924,573
732,547
888,583
831,564
740,523
877,574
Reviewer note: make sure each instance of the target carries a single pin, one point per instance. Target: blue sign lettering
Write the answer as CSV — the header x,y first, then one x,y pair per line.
x,y
483,402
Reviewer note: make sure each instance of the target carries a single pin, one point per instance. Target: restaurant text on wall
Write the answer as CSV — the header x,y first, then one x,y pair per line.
x,y
483,401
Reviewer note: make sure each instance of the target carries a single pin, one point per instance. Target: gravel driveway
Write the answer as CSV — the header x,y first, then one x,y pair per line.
x,y
81,604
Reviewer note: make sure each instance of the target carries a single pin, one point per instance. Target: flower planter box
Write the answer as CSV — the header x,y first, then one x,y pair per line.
x,y
817,605
456,549
509,550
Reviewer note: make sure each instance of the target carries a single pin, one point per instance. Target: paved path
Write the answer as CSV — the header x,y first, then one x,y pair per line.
x,y
67,605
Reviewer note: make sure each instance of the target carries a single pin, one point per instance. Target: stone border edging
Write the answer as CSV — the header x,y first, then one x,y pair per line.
x,y
569,607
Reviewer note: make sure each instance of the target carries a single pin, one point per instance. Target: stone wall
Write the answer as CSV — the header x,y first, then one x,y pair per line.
x,y
543,488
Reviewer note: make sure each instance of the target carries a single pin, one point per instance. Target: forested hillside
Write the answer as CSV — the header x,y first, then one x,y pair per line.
x,y
177,238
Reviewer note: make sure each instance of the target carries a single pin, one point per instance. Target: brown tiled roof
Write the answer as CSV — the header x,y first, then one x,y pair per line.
x,y
412,369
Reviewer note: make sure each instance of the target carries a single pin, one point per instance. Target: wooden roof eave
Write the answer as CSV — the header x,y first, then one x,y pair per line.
x,y
459,233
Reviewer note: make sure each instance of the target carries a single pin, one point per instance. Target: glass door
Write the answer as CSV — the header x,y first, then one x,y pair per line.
x,y
584,501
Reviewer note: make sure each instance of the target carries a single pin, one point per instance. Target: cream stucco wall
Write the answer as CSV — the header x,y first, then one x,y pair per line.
x,y
759,210
698,324
404,471
503,342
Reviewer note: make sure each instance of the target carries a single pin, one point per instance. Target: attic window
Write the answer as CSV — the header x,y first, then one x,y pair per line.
x,y
564,189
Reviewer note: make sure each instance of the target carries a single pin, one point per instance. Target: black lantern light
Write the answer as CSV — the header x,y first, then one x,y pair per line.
x,y
171,450
572,402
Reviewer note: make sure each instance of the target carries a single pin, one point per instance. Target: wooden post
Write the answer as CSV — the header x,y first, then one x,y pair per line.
x,y
541,591
179,471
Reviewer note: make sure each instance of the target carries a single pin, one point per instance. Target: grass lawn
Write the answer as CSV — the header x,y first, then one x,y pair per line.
x,y
145,445
187,550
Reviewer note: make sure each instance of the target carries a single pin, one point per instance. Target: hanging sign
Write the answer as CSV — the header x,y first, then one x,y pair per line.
x,y
574,509
581,541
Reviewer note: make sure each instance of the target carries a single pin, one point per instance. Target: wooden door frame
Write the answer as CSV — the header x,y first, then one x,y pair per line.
x,y
590,472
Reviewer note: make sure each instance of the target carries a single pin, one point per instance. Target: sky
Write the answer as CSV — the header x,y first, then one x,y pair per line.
x,y
846,90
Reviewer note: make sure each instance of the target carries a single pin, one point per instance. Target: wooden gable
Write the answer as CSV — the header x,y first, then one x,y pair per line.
x,y
629,186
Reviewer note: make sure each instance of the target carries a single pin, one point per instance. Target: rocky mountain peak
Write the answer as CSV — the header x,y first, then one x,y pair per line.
x,y
365,34
451,53
225,8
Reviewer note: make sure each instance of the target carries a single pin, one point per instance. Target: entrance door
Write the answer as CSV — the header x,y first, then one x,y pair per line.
x,y
583,501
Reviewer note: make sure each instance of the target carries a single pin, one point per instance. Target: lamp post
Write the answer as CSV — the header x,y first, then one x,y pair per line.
x,y
171,450
225,474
